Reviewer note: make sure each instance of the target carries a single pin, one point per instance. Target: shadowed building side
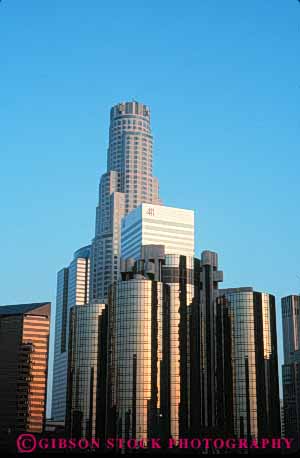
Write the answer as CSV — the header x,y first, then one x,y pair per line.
x,y
253,348
290,306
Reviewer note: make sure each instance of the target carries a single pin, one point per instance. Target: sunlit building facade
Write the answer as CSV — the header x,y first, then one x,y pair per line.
x,y
252,344
136,357
128,182
210,277
178,276
157,224
150,322
86,383
72,289
24,342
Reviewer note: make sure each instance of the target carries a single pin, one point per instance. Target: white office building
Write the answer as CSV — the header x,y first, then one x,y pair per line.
x,y
72,289
158,225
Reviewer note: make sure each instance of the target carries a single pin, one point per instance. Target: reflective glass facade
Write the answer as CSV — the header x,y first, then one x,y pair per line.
x,y
183,358
178,275
136,357
290,306
86,371
60,346
150,322
210,277
291,401
252,345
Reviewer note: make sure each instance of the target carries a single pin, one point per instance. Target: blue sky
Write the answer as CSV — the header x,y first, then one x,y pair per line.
x,y
223,83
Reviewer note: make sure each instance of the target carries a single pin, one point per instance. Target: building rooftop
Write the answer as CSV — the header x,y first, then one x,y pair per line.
x,y
20,309
83,252
244,289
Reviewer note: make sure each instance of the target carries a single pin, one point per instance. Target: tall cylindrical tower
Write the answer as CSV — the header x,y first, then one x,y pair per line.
x,y
86,371
135,355
149,366
127,183
178,275
253,348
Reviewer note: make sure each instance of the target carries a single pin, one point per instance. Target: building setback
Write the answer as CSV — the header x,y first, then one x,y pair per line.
x,y
127,183
160,351
24,338
158,225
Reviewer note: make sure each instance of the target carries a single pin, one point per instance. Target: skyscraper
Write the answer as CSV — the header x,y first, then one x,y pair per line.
x,y
85,413
135,357
210,277
151,224
185,322
180,275
150,323
249,337
290,306
72,289
127,183
24,339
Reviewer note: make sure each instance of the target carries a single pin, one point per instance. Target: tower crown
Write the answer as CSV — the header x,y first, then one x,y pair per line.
x,y
132,108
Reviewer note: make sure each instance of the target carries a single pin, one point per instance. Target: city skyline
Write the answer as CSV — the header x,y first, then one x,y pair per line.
x,y
91,300
249,228
154,305
111,181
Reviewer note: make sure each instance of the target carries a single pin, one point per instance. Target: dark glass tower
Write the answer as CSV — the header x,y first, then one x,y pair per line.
x,y
210,277
162,328
290,306
86,386
247,332
150,326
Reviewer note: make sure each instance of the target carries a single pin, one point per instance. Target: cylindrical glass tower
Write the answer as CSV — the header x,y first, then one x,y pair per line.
x,y
178,275
149,349
136,309
253,348
86,371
